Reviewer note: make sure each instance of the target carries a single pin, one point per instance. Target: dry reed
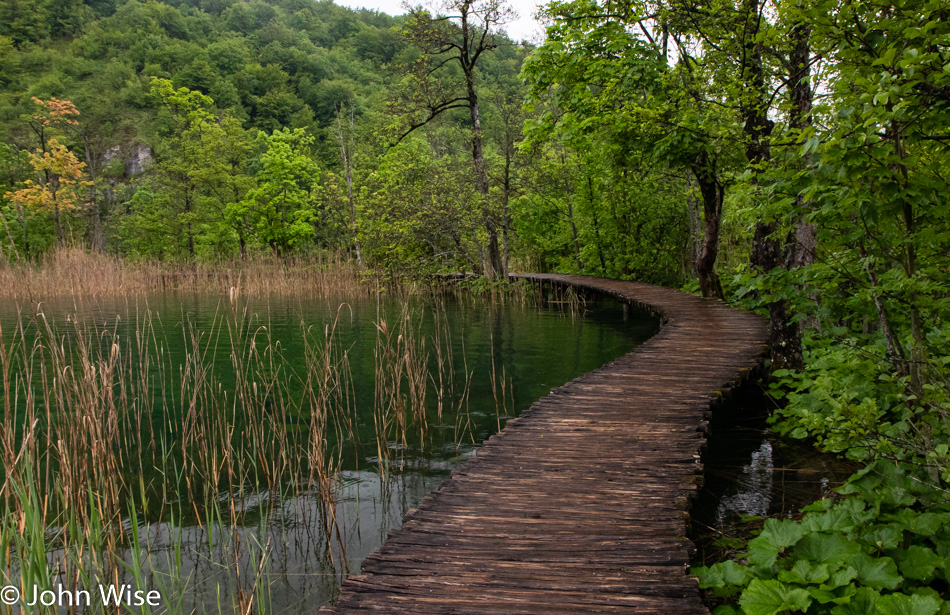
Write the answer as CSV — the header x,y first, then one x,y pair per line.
x,y
100,428
74,272
107,442
87,437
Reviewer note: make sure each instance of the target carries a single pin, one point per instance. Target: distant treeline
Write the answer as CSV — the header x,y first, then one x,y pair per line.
x,y
208,130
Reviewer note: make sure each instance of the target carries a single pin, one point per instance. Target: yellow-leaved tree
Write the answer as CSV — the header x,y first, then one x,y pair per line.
x,y
60,176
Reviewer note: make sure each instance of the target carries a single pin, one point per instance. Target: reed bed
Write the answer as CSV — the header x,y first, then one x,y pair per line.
x,y
123,464
99,435
410,369
480,293
74,272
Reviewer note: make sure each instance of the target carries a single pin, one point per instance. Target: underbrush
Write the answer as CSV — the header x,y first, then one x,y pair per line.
x,y
881,544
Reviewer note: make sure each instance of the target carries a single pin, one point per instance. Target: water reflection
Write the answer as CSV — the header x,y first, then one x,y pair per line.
x,y
749,472
754,489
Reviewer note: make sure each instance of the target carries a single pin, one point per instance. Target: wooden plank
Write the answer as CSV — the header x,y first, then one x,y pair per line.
x,y
580,504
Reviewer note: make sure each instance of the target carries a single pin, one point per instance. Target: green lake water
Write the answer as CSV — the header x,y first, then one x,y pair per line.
x,y
530,346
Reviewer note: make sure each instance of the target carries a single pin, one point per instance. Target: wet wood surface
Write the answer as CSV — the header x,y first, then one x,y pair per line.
x,y
580,504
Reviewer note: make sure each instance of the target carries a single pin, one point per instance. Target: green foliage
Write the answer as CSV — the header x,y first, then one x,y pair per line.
x,y
602,86
419,212
173,95
882,549
281,209
584,215
849,400
144,230
876,381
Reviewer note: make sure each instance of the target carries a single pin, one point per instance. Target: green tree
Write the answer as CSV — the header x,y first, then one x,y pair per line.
x,y
204,161
282,209
600,70
878,192
458,39
25,21
182,155
419,211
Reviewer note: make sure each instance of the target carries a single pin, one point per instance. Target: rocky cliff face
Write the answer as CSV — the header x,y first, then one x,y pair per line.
x,y
135,158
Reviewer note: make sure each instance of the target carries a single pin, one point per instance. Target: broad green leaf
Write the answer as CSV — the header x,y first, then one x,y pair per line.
x,y
826,548
879,573
771,597
902,604
723,577
841,595
805,573
862,603
918,563
885,536
782,533
777,535
840,578
838,519
927,524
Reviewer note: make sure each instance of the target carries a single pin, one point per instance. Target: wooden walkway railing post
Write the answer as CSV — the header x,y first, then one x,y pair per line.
x,y
580,504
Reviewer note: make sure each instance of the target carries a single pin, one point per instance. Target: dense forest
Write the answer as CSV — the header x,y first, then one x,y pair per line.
x,y
212,131
788,157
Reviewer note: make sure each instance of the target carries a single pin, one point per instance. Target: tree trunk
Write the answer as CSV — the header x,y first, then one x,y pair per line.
x,y
695,234
577,245
505,217
895,352
59,224
353,229
56,217
476,24
805,240
806,235
190,233
569,193
767,251
918,349
712,192
495,265
593,212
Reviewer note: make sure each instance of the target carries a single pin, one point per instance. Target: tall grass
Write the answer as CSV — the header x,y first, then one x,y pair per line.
x,y
110,446
76,273
523,293
124,463
99,428
410,369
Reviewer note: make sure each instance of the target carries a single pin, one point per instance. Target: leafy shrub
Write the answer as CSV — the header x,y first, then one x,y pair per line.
x,y
882,549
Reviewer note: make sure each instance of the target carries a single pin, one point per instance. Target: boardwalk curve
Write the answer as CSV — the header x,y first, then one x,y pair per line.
x,y
579,505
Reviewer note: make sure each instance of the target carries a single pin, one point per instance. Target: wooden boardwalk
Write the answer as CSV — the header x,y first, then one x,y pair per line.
x,y
579,505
